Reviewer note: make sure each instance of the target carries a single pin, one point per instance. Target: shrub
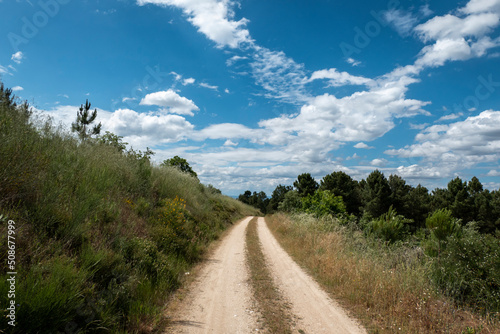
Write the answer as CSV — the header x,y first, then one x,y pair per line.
x,y
390,227
323,202
442,225
469,270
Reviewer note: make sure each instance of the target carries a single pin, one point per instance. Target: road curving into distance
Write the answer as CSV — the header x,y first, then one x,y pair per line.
x,y
220,299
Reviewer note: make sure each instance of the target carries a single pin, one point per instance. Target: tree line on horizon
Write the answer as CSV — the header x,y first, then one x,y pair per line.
x,y
376,195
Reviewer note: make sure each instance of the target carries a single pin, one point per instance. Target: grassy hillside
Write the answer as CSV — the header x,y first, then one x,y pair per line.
x,y
102,237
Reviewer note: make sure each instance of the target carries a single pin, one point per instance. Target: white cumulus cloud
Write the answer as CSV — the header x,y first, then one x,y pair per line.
x,y
140,129
363,146
339,78
212,18
479,6
173,102
458,145
17,57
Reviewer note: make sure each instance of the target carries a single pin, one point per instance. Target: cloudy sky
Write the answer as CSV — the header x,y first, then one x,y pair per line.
x,y
254,93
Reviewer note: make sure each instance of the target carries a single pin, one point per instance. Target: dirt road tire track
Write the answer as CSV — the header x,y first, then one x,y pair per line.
x,y
316,312
220,300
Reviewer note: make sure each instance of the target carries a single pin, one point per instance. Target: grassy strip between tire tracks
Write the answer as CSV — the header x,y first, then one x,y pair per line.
x,y
271,305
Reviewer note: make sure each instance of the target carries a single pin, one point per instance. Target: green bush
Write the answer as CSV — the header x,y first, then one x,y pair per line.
x,y
323,202
390,227
469,270
441,225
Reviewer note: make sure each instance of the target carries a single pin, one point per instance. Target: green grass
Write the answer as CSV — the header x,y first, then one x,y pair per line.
x,y
103,237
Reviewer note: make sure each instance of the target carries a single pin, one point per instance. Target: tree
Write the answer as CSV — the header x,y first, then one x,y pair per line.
x,y
495,207
245,197
474,186
83,121
399,195
376,194
291,202
258,200
7,99
419,201
343,185
459,199
481,206
278,196
484,212
440,199
181,164
390,226
111,139
305,184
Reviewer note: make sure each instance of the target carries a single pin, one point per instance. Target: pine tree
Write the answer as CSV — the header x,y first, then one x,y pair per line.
x,y
376,194
419,201
279,195
305,184
83,121
399,195
7,99
343,185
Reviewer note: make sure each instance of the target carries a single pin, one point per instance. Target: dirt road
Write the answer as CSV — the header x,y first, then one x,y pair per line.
x,y
220,300
315,311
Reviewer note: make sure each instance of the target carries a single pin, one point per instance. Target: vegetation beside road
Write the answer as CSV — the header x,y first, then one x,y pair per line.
x,y
391,287
102,235
451,235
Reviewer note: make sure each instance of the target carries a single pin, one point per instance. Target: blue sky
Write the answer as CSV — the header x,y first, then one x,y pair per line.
x,y
254,93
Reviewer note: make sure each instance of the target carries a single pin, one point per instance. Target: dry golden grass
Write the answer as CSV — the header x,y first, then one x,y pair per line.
x,y
386,289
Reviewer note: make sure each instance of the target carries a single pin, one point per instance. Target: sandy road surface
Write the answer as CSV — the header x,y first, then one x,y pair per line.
x,y
316,312
220,300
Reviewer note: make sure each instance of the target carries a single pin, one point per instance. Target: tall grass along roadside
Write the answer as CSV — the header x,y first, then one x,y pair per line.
x,y
389,287
103,236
